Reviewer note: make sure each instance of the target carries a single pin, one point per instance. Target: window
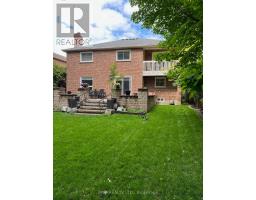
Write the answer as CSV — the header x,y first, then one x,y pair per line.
x,y
86,57
160,82
86,80
123,55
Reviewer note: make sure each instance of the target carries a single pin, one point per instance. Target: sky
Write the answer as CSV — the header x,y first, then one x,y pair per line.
x,y
109,20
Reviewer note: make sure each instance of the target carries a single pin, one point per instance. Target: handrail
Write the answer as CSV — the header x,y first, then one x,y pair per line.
x,y
153,65
81,100
101,102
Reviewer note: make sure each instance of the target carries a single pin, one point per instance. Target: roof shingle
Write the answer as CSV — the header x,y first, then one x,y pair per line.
x,y
118,44
59,57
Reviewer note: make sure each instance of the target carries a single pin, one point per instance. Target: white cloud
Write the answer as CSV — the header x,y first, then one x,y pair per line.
x,y
130,35
101,35
111,19
100,3
155,37
128,9
105,20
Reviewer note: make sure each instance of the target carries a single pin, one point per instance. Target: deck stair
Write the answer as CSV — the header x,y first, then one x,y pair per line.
x,y
93,106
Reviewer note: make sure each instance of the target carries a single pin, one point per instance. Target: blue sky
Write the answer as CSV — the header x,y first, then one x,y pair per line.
x,y
110,20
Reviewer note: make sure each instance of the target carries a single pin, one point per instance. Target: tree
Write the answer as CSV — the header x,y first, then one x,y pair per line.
x,y
114,77
59,76
180,22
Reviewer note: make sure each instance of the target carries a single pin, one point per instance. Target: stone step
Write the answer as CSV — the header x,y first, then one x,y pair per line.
x,y
96,100
89,107
93,104
90,111
88,114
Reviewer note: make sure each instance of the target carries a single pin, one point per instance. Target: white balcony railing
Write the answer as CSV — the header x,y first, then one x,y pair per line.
x,y
155,68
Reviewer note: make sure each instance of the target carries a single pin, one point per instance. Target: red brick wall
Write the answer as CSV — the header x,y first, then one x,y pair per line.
x,y
168,93
99,69
59,62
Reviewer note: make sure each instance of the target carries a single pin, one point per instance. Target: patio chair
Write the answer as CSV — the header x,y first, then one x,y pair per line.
x,y
101,93
91,93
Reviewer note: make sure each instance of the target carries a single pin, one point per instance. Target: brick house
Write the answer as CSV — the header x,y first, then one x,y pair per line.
x,y
59,60
134,61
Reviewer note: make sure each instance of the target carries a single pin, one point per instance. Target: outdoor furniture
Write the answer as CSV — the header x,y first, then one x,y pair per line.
x,y
72,103
101,93
97,94
111,103
92,93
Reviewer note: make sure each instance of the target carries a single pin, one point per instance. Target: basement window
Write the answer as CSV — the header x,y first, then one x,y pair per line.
x,y
86,57
160,82
123,55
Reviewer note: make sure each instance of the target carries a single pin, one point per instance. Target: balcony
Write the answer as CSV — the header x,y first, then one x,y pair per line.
x,y
155,68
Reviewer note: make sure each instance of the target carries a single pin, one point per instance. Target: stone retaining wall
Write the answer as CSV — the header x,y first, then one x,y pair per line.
x,y
130,102
151,101
140,102
60,98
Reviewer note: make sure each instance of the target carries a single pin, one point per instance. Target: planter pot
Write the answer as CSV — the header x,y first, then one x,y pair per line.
x,y
110,103
115,93
128,92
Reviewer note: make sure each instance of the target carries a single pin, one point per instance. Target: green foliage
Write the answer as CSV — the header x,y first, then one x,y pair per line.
x,y
180,22
114,77
59,76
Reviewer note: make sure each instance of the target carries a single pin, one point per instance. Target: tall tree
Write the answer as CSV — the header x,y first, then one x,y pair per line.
x,y
180,22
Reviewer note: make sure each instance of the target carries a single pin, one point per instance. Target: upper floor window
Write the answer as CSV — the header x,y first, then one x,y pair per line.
x,y
123,55
86,57
160,82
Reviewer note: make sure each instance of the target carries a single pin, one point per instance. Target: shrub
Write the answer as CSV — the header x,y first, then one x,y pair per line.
x,y
59,76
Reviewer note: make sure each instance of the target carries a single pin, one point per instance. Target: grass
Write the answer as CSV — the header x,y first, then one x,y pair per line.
x,y
126,157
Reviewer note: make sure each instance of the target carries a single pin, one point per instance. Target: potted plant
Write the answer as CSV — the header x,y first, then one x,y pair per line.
x,y
128,92
114,78
118,86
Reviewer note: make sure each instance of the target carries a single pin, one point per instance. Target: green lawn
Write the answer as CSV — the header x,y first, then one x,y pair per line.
x,y
126,157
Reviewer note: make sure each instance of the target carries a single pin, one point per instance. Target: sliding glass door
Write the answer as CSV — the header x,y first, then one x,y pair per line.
x,y
126,84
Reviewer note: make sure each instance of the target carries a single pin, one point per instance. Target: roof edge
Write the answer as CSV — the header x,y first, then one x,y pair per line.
x,y
59,57
111,48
